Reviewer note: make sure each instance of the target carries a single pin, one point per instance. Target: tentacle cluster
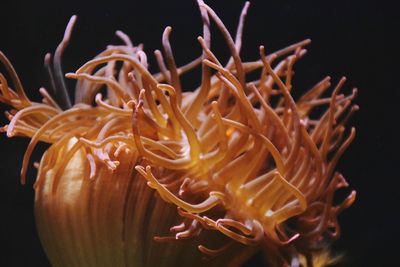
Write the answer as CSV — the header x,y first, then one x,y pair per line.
x,y
240,157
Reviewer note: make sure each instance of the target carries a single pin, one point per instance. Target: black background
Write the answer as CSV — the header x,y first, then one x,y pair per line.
x,y
352,38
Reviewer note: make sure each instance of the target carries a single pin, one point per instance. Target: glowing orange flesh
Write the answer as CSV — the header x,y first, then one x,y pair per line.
x,y
261,174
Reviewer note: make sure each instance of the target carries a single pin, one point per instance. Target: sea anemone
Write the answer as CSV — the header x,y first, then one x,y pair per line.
x,y
231,168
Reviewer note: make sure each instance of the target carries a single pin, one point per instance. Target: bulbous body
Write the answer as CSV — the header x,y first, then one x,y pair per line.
x,y
109,220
